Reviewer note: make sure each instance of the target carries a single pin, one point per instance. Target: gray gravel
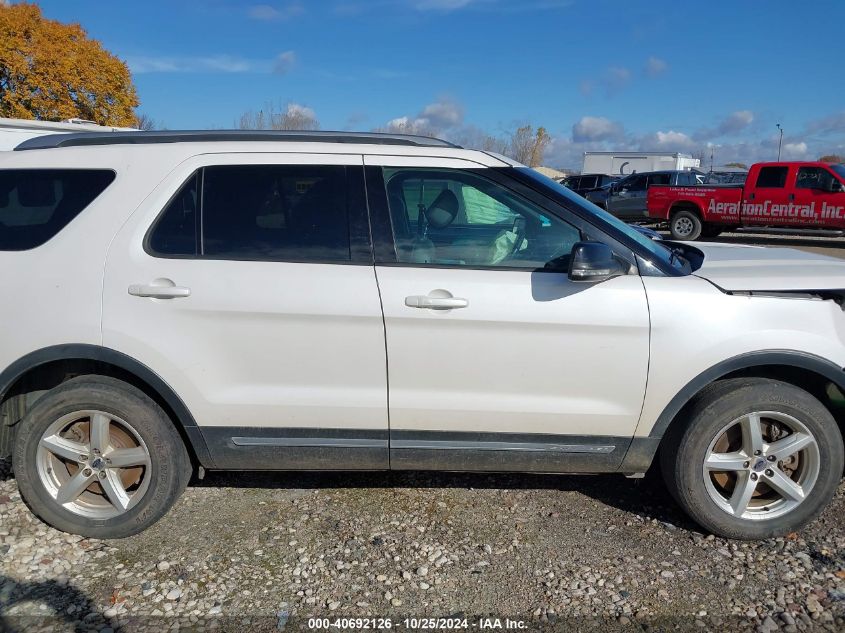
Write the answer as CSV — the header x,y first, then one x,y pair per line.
x,y
566,553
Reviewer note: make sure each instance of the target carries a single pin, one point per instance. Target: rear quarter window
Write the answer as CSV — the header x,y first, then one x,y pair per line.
x,y
36,204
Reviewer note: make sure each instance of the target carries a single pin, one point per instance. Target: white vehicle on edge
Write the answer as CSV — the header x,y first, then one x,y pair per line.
x,y
182,301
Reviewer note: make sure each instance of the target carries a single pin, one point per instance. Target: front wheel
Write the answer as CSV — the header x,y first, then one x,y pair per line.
x,y
753,458
97,457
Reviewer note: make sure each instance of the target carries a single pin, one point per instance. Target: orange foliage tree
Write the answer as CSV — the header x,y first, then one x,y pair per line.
x,y
53,71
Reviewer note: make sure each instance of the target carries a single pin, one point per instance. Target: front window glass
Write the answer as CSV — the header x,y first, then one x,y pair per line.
x,y
458,218
814,178
555,191
840,170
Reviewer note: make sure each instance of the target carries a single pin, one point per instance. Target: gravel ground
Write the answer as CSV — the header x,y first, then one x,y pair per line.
x,y
242,552
564,553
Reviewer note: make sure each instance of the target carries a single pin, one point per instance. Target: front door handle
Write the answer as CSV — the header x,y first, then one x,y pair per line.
x,y
436,300
154,291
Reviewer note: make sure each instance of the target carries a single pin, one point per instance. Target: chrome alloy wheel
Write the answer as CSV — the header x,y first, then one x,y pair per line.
x,y
684,227
761,466
93,464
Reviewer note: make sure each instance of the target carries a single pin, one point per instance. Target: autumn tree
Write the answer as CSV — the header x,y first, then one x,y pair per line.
x,y
527,146
54,71
739,165
832,158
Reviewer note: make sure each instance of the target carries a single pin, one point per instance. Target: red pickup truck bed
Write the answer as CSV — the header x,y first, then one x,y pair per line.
x,y
788,194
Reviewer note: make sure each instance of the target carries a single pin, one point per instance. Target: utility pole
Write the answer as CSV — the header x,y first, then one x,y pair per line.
x,y
780,142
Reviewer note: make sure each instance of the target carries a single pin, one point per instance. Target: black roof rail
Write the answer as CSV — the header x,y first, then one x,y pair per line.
x,y
79,139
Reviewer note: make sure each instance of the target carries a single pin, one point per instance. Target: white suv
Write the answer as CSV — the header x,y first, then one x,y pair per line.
x,y
181,301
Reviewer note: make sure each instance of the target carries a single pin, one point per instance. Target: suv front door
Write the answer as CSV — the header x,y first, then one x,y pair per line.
x,y
629,197
274,335
496,360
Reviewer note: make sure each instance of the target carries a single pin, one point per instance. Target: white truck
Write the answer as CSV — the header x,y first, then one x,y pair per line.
x,y
624,163
13,132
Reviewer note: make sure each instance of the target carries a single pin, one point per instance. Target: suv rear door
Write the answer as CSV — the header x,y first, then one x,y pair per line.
x,y
274,336
526,370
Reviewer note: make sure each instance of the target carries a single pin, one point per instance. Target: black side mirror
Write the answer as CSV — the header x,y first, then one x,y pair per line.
x,y
593,262
836,187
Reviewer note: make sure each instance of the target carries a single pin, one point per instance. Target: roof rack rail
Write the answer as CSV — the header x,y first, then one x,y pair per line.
x,y
78,139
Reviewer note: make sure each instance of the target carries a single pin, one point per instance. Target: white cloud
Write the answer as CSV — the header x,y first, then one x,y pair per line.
x,y
592,128
270,13
284,63
441,5
443,114
832,124
732,124
795,150
673,141
654,66
298,110
212,63
497,6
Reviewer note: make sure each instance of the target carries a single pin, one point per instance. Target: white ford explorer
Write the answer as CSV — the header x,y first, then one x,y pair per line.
x,y
182,301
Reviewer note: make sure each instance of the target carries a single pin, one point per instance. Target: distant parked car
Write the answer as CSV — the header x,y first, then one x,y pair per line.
x,y
626,198
584,183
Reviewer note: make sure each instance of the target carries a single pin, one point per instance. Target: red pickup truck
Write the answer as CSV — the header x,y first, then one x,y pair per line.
x,y
797,195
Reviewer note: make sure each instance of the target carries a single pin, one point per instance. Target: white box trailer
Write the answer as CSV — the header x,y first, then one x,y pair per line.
x,y
13,132
623,163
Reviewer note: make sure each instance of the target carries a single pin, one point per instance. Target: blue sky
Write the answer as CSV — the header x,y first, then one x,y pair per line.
x,y
598,74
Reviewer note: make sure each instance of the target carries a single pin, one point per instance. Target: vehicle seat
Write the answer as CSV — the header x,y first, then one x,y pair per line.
x,y
440,214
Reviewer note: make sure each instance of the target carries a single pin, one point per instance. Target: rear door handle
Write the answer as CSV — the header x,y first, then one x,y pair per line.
x,y
435,303
159,292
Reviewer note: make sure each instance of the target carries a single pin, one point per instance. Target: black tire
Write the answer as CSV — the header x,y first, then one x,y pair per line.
x,y
684,449
685,226
710,231
169,470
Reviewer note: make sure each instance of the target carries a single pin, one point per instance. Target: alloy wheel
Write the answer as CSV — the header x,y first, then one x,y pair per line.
x,y
761,466
93,464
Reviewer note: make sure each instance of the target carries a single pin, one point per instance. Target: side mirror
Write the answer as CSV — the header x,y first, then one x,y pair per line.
x,y
593,262
836,187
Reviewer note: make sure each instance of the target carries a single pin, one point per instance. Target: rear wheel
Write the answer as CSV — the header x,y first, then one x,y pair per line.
x,y
97,457
754,458
685,225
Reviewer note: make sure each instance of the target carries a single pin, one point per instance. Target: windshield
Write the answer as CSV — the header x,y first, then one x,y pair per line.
x,y
840,170
654,248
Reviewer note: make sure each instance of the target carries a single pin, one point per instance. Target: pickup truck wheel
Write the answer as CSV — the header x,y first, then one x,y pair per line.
x,y
97,457
753,458
685,225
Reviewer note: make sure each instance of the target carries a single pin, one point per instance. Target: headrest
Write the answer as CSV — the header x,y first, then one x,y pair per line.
x,y
443,211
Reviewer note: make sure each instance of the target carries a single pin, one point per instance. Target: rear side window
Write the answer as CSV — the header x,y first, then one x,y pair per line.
x,y
258,212
772,177
35,204
659,179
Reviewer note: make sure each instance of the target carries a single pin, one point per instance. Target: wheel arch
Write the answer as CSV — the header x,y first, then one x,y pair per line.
x,y
48,367
686,205
807,371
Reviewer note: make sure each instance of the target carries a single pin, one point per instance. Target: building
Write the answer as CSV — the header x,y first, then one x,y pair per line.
x,y
623,163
